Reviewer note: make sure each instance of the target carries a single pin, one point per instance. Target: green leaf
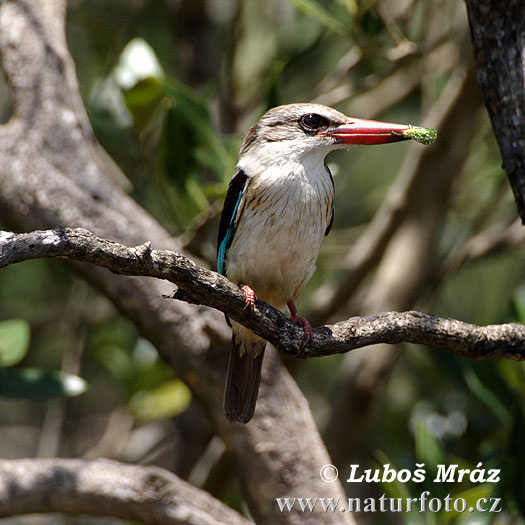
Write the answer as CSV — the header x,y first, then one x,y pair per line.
x,y
184,209
490,388
430,453
197,194
396,489
517,453
167,400
14,341
193,110
428,448
518,304
115,359
513,373
471,497
177,146
316,11
39,384
143,99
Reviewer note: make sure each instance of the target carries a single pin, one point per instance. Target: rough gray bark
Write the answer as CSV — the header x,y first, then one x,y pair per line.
x,y
498,35
53,172
150,495
201,286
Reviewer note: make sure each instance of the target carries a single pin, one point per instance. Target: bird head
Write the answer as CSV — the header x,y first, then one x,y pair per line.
x,y
295,130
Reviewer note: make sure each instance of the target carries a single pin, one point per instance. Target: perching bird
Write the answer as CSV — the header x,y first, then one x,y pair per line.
x,y
278,208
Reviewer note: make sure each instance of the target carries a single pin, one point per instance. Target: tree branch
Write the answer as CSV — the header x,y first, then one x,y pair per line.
x,y
65,178
107,488
498,37
201,286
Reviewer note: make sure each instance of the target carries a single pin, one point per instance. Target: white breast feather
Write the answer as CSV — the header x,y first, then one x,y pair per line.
x,y
282,221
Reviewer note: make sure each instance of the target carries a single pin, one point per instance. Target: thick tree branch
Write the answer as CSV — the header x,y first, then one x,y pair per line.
x,y
63,178
107,488
201,286
498,36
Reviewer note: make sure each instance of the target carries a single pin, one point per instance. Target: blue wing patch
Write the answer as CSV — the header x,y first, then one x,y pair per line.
x,y
229,213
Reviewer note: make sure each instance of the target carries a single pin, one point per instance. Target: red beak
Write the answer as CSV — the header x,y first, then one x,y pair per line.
x,y
360,131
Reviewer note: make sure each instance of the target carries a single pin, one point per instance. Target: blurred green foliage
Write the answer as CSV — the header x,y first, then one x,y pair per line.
x,y
39,384
174,129
30,383
14,341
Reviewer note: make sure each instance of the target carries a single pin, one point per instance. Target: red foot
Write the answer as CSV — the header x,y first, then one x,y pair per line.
x,y
307,327
250,297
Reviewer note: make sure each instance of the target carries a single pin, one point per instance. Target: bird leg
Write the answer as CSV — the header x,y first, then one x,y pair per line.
x,y
294,316
249,296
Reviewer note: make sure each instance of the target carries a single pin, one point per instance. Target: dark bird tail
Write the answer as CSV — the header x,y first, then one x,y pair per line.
x,y
242,380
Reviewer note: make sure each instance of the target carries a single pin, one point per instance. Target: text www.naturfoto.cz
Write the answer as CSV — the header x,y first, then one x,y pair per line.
x,y
386,504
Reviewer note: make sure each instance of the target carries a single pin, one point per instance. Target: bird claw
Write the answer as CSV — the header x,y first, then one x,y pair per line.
x,y
249,297
307,327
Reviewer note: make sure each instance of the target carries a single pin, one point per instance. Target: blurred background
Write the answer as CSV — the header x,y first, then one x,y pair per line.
x,y
169,87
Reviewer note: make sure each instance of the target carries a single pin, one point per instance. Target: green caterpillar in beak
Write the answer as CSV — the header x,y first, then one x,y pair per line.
x,y
421,135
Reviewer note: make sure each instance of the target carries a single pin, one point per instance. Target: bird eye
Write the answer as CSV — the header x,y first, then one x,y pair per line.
x,y
313,122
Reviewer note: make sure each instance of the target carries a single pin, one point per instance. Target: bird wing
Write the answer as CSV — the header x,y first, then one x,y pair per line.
x,y
329,227
234,194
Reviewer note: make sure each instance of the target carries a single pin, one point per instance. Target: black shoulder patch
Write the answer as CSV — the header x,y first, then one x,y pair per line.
x,y
329,227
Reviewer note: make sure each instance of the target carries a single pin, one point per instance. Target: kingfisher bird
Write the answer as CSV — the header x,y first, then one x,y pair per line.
x,y
278,208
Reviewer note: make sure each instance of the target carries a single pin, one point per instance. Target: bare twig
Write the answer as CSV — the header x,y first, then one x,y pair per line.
x,y
201,286
493,240
377,93
107,488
